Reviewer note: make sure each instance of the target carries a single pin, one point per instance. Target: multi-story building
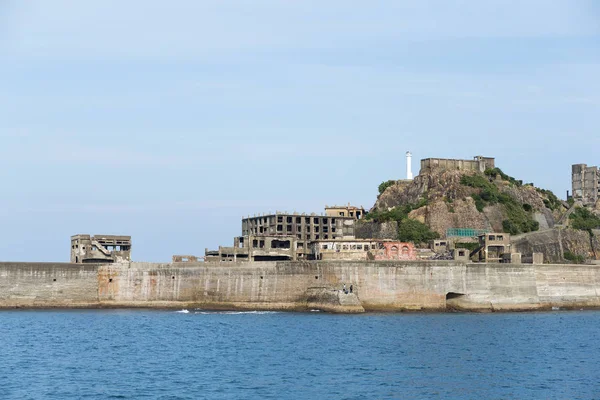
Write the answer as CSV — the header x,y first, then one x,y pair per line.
x,y
100,249
585,183
306,228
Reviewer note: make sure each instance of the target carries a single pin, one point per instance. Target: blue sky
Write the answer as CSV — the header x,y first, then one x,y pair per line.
x,y
169,121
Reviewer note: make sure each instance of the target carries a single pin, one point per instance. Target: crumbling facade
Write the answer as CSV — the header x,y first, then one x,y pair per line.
x,y
345,211
305,228
179,258
585,184
257,248
478,163
492,247
100,249
362,249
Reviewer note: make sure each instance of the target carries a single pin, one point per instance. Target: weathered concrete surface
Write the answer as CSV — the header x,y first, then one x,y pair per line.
x,y
301,286
553,243
48,285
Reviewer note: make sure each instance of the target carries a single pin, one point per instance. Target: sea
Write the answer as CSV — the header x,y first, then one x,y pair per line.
x,y
196,354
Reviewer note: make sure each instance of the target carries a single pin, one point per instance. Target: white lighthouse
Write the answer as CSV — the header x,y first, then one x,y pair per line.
x,y
409,174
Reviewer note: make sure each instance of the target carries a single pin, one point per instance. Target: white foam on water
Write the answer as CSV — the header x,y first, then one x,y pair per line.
x,y
315,310
235,312
183,311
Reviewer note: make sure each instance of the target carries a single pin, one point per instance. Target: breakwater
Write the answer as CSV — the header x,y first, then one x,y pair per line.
x,y
299,286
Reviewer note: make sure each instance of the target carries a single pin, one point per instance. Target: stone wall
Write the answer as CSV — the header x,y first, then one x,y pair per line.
x,y
377,285
376,230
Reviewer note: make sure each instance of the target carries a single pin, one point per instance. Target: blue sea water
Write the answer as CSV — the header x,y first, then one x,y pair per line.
x,y
135,354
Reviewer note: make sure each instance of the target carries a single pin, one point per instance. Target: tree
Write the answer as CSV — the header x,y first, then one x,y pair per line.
x,y
410,230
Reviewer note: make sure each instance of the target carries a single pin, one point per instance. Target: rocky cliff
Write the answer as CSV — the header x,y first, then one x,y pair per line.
x,y
443,199
447,202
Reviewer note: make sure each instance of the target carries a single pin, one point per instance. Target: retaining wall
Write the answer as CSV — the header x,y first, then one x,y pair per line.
x,y
377,285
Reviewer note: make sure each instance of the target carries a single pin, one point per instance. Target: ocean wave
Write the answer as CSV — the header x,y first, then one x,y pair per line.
x,y
234,312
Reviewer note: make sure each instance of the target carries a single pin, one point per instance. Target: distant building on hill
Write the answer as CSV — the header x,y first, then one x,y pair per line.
x,y
478,163
585,183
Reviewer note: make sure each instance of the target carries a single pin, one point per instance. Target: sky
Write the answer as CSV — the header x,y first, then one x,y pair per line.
x,y
171,120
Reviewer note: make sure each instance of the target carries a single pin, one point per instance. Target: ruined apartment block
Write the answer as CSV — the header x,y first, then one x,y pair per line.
x,y
478,163
257,248
585,184
100,249
305,228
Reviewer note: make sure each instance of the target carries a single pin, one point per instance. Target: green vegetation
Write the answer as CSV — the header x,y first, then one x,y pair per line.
x,y
519,220
495,172
575,258
479,203
552,202
477,181
520,217
385,185
583,219
409,230
395,214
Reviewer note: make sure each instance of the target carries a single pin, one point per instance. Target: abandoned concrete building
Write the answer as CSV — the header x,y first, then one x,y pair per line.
x,y
441,245
361,249
257,248
345,211
492,247
585,184
100,248
478,163
304,227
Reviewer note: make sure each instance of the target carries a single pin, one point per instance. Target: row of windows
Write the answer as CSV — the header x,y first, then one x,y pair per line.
x,y
290,229
348,247
290,220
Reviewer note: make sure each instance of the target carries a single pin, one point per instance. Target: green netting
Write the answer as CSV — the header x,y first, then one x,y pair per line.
x,y
464,232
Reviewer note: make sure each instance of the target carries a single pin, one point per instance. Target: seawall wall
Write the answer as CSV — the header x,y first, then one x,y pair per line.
x,y
377,285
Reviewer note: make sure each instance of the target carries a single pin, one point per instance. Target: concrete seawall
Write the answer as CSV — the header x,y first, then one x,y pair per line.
x,y
377,286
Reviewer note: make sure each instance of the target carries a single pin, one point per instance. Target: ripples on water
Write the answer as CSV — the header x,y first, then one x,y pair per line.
x,y
134,354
